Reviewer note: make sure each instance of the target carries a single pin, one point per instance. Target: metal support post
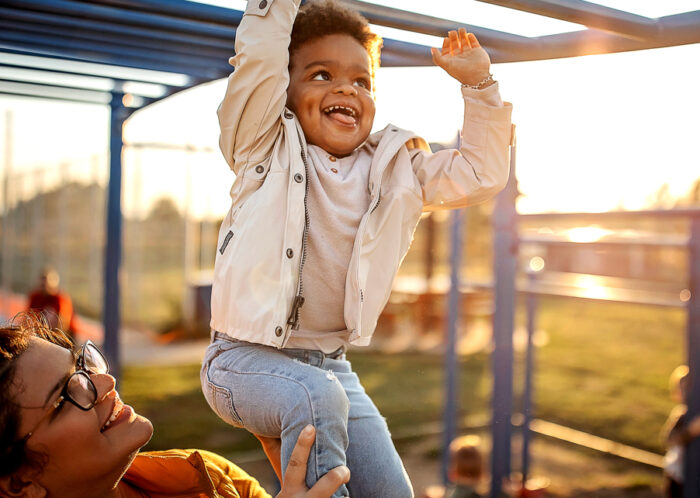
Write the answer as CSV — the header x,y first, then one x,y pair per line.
x,y
692,454
531,305
451,366
504,263
110,310
7,236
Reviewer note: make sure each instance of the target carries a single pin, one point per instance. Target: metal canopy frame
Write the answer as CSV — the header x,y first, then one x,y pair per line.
x,y
196,40
172,45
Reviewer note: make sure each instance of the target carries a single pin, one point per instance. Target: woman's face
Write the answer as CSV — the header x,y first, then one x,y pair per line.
x,y
85,455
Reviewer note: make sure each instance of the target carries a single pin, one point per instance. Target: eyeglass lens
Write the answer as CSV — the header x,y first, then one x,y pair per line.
x,y
81,390
93,360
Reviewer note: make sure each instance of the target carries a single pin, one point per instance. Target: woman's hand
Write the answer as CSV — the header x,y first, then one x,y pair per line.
x,y
463,58
271,447
294,482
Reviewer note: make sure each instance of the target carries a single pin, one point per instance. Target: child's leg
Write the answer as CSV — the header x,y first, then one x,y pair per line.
x,y
376,470
270,394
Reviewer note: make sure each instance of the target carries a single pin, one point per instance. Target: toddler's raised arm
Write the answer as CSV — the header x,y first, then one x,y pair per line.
x,y
249,115
479,169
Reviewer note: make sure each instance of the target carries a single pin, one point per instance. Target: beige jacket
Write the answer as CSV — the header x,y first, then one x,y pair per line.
x,y
258,274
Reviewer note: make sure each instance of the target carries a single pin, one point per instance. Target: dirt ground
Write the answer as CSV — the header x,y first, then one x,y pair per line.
x,y
571,471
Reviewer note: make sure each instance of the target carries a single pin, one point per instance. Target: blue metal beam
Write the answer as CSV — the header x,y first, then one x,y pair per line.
x,y
113,245
49,50
504,269
110,42
450,415
42,20
90,12
178,8
24,89
588,14
95,48
692,453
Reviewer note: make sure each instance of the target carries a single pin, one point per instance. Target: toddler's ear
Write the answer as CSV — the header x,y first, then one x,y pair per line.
x,y
16,486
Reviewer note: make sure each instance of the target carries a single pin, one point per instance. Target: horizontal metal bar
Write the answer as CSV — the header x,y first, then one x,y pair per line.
x,y
30,60
46,92
112,43
552,240
90,11
178,8
50,19
418,23
613,215
681,29
589,14
82,51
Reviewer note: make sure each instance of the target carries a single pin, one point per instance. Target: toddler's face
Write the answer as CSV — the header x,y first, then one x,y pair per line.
x,y
330,91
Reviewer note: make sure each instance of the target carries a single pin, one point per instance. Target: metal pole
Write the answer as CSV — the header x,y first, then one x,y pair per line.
x,y
529,366
692,454
110,310
504,263
6,224
451,367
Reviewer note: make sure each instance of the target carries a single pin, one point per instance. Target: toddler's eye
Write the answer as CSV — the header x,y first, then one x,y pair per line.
x,y
321,76
363,83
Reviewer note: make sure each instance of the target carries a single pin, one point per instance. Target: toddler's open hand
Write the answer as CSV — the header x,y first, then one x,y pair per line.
x,y
463,57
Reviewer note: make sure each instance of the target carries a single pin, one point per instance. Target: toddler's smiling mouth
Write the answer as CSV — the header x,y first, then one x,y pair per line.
x,y
343,115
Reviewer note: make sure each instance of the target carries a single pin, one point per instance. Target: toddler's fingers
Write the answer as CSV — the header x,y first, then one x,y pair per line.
x,y
464,39
473,41
446,46
454,42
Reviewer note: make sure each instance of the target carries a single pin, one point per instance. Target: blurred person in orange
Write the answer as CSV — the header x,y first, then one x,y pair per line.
x,y
678,432
54,305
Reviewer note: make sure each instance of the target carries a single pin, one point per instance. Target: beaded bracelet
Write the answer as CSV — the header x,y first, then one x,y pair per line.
x,y
480,84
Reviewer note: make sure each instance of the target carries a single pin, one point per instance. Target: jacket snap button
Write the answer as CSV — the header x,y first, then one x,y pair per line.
x,y
288,114
278,331
298,178
263,4
290,253
259,168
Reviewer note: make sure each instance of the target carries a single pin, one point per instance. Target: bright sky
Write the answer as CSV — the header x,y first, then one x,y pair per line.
x,y
594,133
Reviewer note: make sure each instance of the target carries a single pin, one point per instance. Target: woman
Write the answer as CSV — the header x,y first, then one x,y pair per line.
x,y
65,432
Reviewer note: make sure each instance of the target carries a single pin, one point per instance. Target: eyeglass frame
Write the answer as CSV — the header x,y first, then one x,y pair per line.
x,y
82,371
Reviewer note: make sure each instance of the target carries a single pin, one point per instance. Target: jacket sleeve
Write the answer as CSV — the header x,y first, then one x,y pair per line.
x,y
229,480
249,115
476,172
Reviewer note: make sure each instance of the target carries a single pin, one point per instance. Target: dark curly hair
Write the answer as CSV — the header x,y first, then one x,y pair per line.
x,y
319,18
14,341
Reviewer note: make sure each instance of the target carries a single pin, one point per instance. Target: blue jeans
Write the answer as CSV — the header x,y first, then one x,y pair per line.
x,y
276,393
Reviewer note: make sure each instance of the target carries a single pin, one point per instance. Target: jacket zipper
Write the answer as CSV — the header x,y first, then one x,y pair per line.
x,y
298,302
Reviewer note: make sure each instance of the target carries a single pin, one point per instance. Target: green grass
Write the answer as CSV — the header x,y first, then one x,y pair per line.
x,y
604,370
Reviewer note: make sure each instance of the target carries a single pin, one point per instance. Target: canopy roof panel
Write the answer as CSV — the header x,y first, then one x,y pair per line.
x,y
81,50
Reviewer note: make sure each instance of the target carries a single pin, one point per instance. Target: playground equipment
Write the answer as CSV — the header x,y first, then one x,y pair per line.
x,y
170,45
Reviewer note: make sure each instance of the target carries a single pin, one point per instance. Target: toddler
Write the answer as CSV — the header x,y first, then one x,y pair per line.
x,y
322,214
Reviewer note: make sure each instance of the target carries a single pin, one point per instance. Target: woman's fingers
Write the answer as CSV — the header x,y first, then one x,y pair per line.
x,y
296,468
473,42
327,485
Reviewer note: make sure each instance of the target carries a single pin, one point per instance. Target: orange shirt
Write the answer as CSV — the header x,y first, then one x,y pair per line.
x,y
190,474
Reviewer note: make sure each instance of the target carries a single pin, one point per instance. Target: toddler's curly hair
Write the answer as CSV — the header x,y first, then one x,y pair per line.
x,y
319,18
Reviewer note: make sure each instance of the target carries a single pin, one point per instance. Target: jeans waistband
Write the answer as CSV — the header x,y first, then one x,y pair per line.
x,y
311,356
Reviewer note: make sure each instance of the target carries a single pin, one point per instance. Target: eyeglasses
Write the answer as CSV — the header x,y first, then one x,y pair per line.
x,y
79,389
